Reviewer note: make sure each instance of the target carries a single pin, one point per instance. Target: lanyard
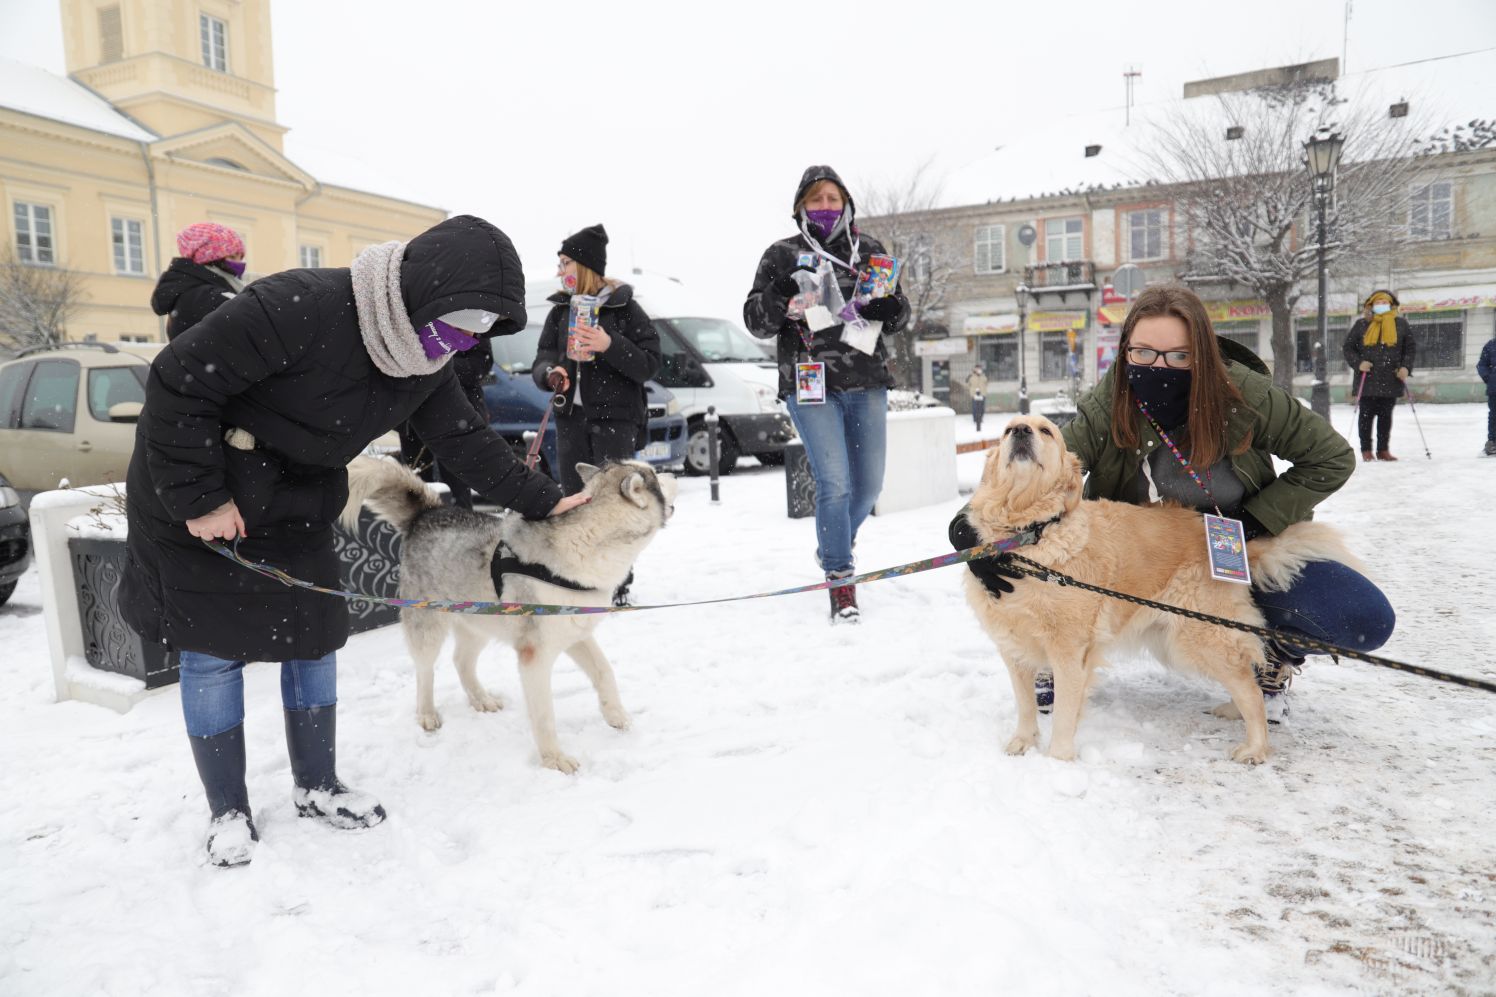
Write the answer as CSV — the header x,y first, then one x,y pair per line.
x,y
1184,461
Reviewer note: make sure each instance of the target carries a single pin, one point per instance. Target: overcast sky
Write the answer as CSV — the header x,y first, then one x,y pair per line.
x,y
684,127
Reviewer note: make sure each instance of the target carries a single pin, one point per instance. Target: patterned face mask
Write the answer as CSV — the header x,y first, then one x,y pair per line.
x,y
439,339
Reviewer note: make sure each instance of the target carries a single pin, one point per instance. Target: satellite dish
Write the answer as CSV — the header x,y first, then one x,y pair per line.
x,y
1027,235
1128,280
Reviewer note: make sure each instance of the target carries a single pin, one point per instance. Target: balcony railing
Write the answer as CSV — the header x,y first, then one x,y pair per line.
x,y
1079,275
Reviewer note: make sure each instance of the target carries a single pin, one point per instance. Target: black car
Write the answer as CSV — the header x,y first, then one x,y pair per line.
x,y
15,540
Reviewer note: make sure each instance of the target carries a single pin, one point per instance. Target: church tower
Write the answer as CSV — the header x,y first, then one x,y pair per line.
x,y
177,67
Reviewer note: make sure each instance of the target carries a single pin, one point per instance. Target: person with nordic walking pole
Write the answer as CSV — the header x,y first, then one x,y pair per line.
x,y
1486,368
1380,345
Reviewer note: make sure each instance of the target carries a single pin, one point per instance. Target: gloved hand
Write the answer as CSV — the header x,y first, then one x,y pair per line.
x,y
992,572
1252,527
785,284
884,309
1402,373
556,378
1365,366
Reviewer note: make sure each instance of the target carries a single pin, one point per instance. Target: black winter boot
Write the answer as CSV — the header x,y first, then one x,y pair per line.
x,y
220,765
311,740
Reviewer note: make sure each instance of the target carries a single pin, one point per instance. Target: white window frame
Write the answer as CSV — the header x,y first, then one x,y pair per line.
x,y
127,239
311,257
1131,230
1422,202
36,216
213,38
1063,237
984,240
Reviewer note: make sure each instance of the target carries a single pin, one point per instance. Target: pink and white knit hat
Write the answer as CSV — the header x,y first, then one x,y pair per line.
x,y
208,242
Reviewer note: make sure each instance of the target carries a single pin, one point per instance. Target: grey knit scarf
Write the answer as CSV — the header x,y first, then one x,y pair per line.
x,y
382,320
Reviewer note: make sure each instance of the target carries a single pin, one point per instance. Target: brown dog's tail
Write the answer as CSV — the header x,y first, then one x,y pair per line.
x,y
1277,561
394,492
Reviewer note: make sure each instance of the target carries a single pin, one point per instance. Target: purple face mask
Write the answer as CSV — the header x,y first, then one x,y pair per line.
x,y
438,339
235,267
824,219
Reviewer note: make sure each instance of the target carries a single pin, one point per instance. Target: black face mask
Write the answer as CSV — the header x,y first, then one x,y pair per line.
x,y
1165,390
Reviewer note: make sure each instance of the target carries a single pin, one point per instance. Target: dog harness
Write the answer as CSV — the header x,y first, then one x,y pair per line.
x,y
506,562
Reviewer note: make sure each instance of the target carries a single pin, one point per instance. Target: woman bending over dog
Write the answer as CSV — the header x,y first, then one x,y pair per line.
x,y
1176,383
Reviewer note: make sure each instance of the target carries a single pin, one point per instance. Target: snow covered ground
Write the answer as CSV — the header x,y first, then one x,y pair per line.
x,y
800,809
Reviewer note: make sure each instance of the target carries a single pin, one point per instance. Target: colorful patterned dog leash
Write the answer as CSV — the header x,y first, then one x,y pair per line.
x,y
1020,539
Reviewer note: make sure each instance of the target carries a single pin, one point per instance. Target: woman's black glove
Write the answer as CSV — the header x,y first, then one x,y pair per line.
x,y
884,309
993,572
785,284
1252,527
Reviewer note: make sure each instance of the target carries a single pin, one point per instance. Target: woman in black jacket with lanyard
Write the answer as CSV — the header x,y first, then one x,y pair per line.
x,y
601,373
837,393
250,420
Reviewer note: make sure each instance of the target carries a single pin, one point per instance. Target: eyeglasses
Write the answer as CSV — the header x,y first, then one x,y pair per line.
x,y
1144,357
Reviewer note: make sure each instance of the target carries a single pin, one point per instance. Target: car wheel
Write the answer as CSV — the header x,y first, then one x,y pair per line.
x,y
697,456
772,459
5,591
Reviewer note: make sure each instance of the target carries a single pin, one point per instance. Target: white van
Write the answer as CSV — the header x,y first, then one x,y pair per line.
x,y
709,361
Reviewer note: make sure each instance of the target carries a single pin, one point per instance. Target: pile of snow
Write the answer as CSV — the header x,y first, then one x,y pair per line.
x,y
799,808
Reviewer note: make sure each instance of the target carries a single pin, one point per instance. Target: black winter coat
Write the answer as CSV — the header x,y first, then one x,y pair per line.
x,y
1486,367
764,310
612,382
187,292
285,360
1381,380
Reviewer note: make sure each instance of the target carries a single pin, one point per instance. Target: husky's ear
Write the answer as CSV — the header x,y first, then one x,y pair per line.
x,y
587,472
635,490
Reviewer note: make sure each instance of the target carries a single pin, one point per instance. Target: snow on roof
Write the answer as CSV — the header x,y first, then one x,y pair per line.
x,y
33,90
1051,159
338,169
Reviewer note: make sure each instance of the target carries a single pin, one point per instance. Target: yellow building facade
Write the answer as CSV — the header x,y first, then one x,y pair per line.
x,y
166,118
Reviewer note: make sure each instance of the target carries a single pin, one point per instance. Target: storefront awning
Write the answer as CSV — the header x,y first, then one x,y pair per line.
x,y
989,325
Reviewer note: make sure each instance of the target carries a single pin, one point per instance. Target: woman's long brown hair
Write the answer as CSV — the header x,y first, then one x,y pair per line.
x,y
1212,392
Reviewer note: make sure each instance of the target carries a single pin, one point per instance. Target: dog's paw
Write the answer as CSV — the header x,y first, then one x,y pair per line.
x,y
1226,711
1020,743
560,762
1245,754
617,717
1062,754
429,719
489,702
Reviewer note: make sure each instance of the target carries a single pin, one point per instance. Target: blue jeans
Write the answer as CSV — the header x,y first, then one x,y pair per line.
x,y
1332,603
213,689
846,440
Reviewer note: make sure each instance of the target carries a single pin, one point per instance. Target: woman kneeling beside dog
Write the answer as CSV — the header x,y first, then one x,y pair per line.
x,y
1218,406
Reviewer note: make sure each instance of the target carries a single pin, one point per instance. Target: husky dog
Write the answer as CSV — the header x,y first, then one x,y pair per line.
x,y
576,559
1156,552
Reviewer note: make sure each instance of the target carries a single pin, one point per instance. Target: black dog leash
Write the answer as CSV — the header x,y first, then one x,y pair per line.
x,y
1036,570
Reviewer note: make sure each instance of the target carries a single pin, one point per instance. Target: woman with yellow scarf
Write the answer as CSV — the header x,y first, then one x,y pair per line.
x,y
1380,351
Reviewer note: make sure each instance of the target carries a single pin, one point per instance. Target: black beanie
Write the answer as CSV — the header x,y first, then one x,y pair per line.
x,y
588,247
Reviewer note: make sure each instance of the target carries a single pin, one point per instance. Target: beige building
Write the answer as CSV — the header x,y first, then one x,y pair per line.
x,y
166,117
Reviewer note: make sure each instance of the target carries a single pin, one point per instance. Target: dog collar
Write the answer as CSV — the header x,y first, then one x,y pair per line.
x,y
506,563
1037,529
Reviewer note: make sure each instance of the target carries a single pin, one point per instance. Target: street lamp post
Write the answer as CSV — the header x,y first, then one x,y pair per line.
x,y
1021,294
1322,156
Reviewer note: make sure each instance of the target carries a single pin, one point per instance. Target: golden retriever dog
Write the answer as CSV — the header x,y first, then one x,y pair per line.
x,y
1156,552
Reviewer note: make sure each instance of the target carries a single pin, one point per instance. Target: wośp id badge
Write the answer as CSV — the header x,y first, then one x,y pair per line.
x,y
1226,543
810,383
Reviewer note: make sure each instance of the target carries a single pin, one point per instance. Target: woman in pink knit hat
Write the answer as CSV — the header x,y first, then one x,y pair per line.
x,y
206,272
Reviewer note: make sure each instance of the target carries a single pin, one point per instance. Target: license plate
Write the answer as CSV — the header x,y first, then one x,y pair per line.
x,y
655,451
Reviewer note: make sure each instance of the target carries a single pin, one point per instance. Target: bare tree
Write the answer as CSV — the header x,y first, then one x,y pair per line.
x,y
1248,203
36,302
898,216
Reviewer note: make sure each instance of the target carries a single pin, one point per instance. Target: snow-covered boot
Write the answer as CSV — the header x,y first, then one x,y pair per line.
x,y
1490,448
1274,677
220,764
1044,691
311,739
843,600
